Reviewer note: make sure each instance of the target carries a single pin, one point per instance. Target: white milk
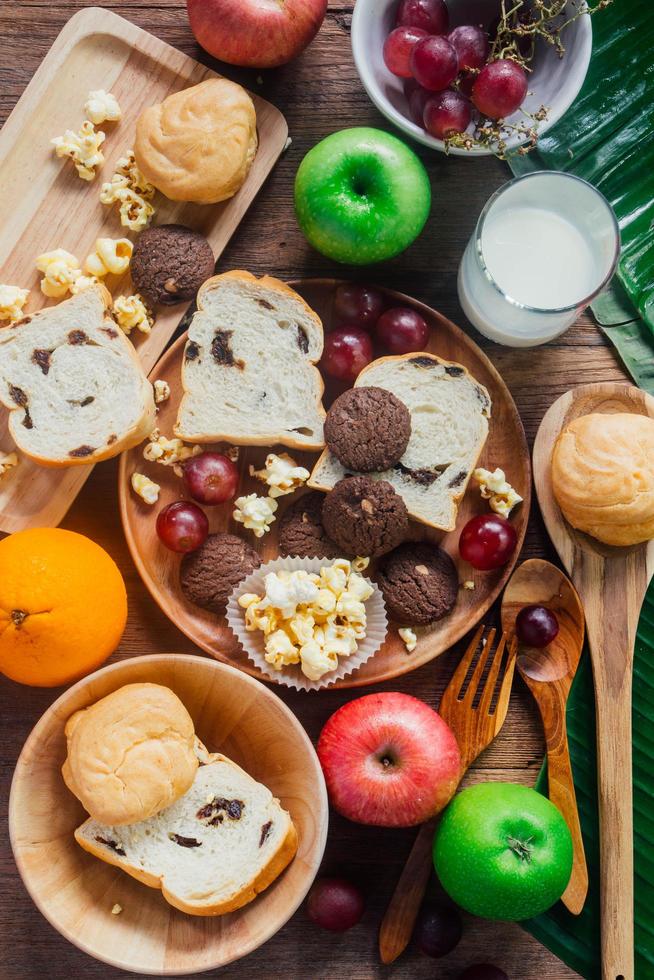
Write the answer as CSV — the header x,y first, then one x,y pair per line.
x,y
544,245
538,257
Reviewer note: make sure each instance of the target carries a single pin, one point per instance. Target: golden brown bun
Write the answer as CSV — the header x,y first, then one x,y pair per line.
x,y
198,144
130,754
603,477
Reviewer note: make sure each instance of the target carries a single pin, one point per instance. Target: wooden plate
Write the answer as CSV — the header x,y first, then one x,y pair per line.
x,y
45,205
76,891
506,447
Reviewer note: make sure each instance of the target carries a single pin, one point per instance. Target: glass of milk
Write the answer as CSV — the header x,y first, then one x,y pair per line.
x,y
545,245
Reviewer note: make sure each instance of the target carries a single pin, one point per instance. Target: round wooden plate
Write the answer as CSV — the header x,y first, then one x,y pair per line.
x,y
506,447
76,891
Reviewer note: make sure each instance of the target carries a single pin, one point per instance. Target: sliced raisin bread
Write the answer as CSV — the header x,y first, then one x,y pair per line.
x,y
249,374
212,851
73,383
449,425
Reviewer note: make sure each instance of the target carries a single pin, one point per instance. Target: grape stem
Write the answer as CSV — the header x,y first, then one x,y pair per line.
x,y
521,24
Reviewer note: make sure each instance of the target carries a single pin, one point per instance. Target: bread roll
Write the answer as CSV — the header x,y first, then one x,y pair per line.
x,y
131,754
198,144
603,477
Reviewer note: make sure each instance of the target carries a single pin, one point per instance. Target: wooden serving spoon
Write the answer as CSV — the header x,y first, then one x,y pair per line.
x,y
612,583
548,673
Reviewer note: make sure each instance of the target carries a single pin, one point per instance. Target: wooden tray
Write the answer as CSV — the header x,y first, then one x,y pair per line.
x,y
45,205
506,447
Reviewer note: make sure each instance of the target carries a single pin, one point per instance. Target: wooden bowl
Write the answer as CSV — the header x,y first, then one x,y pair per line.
x,y
75,891
506,447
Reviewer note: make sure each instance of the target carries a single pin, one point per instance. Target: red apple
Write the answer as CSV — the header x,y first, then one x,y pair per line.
x,y
389,760
255,33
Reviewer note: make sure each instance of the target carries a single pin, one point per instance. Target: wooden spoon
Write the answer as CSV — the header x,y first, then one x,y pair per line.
x,y
548,673
612,583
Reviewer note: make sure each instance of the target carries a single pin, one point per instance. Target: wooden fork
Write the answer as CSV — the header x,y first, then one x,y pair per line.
x,y
475,712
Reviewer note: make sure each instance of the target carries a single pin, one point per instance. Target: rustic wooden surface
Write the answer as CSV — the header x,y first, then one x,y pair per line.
x,y
319,94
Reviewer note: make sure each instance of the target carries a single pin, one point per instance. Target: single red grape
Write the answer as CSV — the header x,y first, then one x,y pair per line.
x,y
432,15
210,478
471,45
483,971
447,113
357,305
347,351
434,63
536,626
335,904
500,88
416,98
182,526
397,49
438,929
487,542
402,330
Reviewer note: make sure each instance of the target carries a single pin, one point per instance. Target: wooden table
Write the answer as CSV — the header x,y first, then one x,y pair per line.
x,y
319,93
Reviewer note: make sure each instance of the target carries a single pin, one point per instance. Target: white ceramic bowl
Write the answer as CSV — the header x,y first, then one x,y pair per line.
x,y
554,82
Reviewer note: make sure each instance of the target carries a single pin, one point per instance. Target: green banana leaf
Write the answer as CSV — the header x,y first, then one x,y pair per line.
x,y
607,137
575,939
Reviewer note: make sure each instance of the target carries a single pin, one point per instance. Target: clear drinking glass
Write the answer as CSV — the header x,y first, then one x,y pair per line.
x,y
545,246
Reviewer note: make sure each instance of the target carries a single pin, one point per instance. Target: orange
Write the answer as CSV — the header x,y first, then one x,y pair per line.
x,y
63,606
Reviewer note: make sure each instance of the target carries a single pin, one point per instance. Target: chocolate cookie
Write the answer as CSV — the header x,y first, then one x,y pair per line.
x,y
364,516
368,429
301,531
170,263
419,583
209,575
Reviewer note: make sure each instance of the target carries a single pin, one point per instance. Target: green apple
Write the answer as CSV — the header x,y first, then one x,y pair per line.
x,y
503,851
361,196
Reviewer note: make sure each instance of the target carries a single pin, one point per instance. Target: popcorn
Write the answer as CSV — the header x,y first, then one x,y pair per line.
x,y
60,272
146,488
255,513
469,585
130,312
309,619
111,255
280,650
101,106
282,474
83,148
81,283
495,489
161,391
129,188
409,638
169,452
7,462
316,661
116,909
12,301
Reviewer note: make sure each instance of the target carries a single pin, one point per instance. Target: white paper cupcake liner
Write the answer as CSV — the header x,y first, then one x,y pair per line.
x,y
292,676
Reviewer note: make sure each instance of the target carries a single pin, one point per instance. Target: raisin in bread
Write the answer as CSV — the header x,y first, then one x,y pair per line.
x,y
73,383
449,425
249,374
212,851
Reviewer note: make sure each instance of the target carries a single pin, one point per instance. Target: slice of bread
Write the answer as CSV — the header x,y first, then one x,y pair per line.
x,y
212,851
449,426
73,383
249,374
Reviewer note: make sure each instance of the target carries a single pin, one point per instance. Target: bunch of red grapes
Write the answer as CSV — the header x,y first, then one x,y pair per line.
x,y
421,50
362,317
